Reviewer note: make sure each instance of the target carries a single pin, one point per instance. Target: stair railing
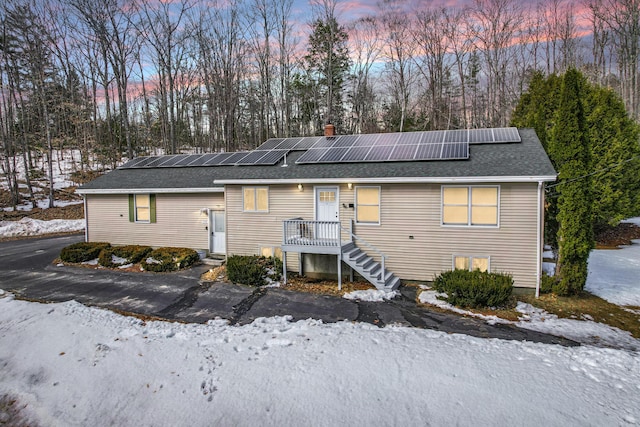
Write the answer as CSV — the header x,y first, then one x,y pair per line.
x,y
368,245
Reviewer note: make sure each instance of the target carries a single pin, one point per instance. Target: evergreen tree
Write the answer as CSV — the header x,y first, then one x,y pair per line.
x,y
328,61
615,158
569,147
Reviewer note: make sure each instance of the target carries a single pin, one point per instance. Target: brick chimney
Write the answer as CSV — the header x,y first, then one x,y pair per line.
x,y
329,130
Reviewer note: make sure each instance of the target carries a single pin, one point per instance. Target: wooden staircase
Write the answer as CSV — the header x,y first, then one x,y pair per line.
x,y
372,270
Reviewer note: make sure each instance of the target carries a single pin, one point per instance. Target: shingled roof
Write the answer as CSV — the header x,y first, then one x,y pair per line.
x,y
499,162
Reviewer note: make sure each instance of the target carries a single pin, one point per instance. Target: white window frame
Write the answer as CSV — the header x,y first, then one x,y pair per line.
x,y
355,203
255,198
469,206
135,209
470,258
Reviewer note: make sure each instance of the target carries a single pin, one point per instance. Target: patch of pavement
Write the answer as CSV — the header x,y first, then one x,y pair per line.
x,y
300,306
26,271
218,300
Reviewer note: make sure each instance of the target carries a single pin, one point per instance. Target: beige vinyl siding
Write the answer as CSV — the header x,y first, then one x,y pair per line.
x,y
405,210
247,232
415,210
179,221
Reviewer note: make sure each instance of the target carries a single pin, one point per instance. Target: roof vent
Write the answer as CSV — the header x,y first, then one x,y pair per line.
x,y
329,130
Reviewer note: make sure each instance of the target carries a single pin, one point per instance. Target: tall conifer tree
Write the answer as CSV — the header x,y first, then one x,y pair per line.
x,y
569,146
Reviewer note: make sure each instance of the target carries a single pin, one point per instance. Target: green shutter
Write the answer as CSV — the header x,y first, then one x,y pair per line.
x,y
152,207
132,209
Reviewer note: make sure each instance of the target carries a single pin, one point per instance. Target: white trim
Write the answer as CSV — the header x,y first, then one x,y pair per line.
x,y
135,209
355,204
149,190
86,219
469,205
539,237
392,180
255,199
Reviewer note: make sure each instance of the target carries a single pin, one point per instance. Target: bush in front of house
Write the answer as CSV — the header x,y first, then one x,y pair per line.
x,y
246,269
548,283
83,251
169,259
474,288
131,253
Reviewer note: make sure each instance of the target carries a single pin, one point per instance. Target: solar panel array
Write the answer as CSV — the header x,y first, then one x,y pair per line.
x,y
384,147
256,157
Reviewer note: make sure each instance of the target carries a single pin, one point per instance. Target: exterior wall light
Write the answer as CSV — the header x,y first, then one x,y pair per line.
x,y
300,187
350,185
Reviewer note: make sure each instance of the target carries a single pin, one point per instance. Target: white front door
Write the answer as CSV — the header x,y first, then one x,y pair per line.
x,y
326,210
217,230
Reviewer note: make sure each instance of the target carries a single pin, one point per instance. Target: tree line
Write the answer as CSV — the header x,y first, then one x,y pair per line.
x,y
120,78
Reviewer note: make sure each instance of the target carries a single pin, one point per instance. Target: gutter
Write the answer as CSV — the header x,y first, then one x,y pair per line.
x,y
148,190
86,219
391,180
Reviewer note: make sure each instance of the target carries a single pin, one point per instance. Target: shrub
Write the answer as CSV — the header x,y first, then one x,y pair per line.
x,y
548,284
132,254
246,270
475,288
83,251
170,259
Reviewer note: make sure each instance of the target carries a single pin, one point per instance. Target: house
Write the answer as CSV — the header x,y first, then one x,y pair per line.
x,y
387,206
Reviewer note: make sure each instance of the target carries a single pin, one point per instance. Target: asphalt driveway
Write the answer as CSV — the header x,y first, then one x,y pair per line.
x,y
26,269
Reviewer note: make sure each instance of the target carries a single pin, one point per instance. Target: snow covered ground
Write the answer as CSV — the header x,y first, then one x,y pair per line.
x,y
74,365
35,227
68,365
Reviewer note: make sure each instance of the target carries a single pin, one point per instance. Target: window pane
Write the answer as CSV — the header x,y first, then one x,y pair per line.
x,y
368,214
461,263
456,196
327,196
142,214
484,215
142,207
454,215
367,196
263,199
481,264
249,199
219,222
484,196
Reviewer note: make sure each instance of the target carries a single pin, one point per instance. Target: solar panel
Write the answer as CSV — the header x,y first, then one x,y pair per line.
x,y
428,152
251,157
433,137
403,152
345,141
355,154
286,144
388,138
366,140
379,153
200,161
333,154
146,161
306,143
457,135
455,150
325,142
213,160
410,138
233,158
187,159
312,155
270,144
131,164
272,157
480,135
506,135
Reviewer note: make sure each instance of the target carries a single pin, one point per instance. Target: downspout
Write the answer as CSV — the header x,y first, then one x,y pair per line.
x,y
539,236
86,219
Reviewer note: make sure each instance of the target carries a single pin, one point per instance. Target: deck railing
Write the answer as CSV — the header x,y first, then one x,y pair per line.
x,y
300,232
